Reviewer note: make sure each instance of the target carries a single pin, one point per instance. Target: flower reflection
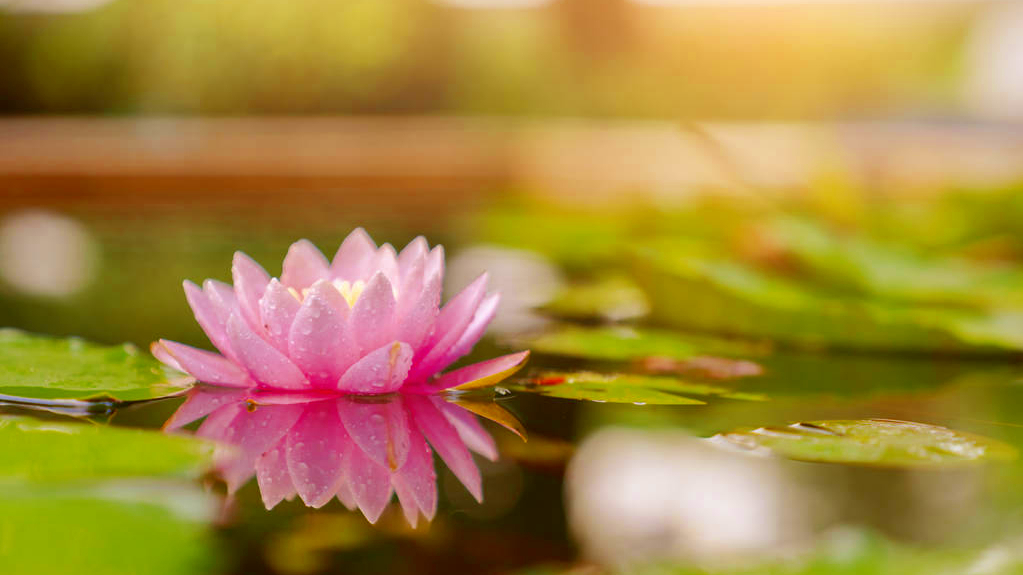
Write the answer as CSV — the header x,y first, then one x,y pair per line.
x,y
369,322
360,449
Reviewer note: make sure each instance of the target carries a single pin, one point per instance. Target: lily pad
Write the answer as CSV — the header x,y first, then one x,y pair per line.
x,y
720,296
612,298
34,367
35,450
619,343
623,388
873,442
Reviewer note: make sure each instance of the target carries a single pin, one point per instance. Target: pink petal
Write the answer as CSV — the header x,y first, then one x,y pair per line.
x,y
253,432
435,263
200,402
277,309
482,374
415,251
273,476
313,452
219,421
303,265
416,481
372,319
211,317
469,429
445,440
354,257
382,370
250,281
369,483
451,323
272,397
164,356
320,342
386,261
345,495
472,334
267,366
381,430
206,366
415,323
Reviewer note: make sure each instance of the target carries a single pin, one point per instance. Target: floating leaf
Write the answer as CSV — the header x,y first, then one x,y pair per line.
x,y
612,298
727,297
619,343
142,528
38,450
875,442
35,367
623,388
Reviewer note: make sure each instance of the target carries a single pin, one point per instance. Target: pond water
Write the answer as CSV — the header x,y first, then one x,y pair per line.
x,y
710,390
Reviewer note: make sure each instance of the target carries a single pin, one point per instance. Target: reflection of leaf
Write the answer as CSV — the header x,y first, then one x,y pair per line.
x,y
492,411
613,298
44,368
48,451
724,297
626,343
877,442
623,388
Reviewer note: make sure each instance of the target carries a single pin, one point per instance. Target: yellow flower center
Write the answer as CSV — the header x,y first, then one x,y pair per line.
x,y
348,290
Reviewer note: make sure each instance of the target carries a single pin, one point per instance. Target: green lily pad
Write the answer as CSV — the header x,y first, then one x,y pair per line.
x,y
34,367
623,388
874,442
36,450
719,296
611,298
619,343
146,529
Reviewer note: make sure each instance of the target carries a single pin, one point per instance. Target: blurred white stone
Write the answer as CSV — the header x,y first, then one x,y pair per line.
x,y
994,63
639,496
525,279
46,254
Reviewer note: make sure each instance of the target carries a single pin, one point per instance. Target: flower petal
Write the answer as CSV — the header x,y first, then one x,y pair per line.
x,y
372,319
470,430
472,334
273,476
415,323
368,482
205,366
277,309
269,367
320,342
415,251
381,430
313,452
416,481
386,262
303,265
382,370
451,323
446,442
435,263
250,281
211,317
354,257
482,374
252,433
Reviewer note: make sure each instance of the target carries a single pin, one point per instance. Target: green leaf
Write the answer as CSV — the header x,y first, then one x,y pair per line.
x,y
139,528
874,442
623,388
35,450
724,297
44,368
619,343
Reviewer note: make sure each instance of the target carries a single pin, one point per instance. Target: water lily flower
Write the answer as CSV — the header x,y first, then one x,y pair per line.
x,y
368,322
359,449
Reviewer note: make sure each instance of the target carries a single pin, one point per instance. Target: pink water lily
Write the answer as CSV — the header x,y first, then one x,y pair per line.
x,y
360,450
368,322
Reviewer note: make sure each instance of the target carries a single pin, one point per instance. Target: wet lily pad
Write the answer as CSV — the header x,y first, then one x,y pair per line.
x,y
35,450
34,367
623,388
619,343
874,442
